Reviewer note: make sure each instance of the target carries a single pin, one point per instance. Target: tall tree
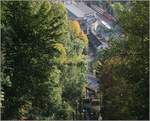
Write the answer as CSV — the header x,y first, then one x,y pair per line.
x,y
41,58
123,71
32,28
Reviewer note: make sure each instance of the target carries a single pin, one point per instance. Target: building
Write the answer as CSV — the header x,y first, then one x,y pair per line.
x,y
81,12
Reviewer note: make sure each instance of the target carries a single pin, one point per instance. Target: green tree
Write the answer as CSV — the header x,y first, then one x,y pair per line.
x,y
74,71
123,71
30,31
41,56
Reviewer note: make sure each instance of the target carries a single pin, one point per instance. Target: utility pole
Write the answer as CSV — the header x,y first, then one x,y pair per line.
x,y
73,116
76,109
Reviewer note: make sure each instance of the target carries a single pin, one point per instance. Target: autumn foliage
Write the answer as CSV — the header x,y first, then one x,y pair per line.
x,y
75,26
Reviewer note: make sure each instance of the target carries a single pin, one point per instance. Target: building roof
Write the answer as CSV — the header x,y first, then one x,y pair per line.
x,y
79,9
84,8
74,10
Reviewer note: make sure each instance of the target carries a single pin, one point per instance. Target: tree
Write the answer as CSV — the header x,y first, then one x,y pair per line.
x,y
41,56
124,70
75,27
74,72
29,36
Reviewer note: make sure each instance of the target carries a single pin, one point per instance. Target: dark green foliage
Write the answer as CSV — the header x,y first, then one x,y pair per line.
x,y
36,48
123,71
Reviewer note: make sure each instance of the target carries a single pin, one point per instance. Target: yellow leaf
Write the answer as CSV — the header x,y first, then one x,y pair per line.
x,y
75,26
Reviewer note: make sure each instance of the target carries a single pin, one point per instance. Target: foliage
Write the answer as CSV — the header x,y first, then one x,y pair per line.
x,y
123,68
76,30
75,27
38,47
74,73
84,38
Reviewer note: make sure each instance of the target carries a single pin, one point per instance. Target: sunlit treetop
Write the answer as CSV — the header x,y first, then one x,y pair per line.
x,y
75,26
